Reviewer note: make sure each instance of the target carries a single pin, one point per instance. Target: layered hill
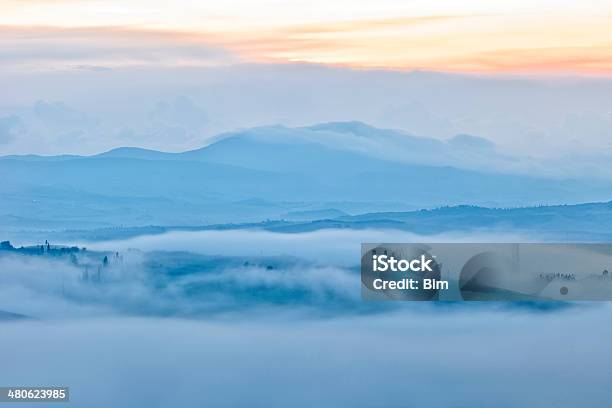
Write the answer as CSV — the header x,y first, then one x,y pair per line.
x,y
273,172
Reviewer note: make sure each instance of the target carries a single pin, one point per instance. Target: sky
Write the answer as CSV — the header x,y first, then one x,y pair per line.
x,y
85,76
467,36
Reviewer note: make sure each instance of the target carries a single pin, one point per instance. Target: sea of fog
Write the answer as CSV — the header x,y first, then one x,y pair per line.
x,y
469,358
201,273
334,246
182,321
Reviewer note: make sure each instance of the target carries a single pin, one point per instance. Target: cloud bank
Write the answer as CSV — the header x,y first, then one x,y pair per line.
x,y
564,120
503,360
329,246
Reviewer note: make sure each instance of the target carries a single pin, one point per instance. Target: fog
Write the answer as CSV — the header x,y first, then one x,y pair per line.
x,y
502,359
89,109
335,246
232,334
47,289
204,274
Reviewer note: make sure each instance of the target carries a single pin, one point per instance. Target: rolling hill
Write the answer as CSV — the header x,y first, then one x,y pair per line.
x,y
269,172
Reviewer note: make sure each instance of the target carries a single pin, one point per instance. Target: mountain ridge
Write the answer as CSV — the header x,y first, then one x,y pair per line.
x,y
320,133
266,172
585,222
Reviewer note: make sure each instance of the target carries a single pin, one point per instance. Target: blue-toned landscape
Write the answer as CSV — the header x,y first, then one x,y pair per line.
x,y
185,188
236,266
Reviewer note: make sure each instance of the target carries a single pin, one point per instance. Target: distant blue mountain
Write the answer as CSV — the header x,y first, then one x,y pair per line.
x,y
339,145
136,153
591,222
326,214
278,148
270,172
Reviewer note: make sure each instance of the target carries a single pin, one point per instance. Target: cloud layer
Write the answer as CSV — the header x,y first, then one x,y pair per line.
x,y
472,36
496,359
89,109
204,274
